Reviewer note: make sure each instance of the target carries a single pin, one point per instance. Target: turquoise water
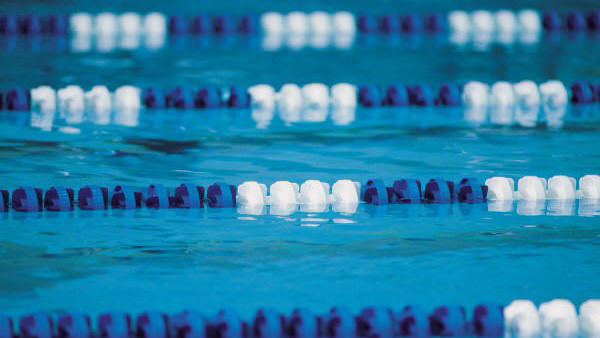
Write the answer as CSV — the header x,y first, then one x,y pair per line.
x,y
171,260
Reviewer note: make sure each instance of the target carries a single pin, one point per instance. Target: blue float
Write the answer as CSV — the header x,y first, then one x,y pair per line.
x,y
207,98
376,193
448,321
303,323
369,96
92,197
248,24
223,24
448,96
59,199
340,323
469,190
8,24
596,91
375,322
189,324
178,24
366,23
488,320
152,325
156,197
74,325
238,97
27,199
581,93
6,327
221,195
389,23
436,22
180,97
124,197
154,98
396,96
268,323
36,325
412,23
4,200
200,24
57,24
593,20
30,25
551,21
407,191
16,99
114,325
413,322
227,324
439,191
420,95
576,21
189,196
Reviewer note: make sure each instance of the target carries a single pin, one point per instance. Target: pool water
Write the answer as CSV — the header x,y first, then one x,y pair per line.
x,y
208,259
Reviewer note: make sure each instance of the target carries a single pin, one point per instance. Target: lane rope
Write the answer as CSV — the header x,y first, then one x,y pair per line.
x,y
520,318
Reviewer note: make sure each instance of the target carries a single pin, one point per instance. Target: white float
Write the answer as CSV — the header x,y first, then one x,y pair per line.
x,y
315,96
71,104
127,103
252,194
475,94
130,23
502,102
81,24
589,187
506,22
562,188
106,24
529,21
43,98
554,98
320,23
527,98
589,318
532,188
482,22
98,102
530,25
155,24
296,23
127,97
500,188
272,23
344,23
346,192
475,98
313,192
289,102
343,95
262,96
559,319
521,320
284,193
459,22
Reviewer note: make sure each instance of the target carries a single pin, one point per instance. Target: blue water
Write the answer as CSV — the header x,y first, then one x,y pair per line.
x,y
208,259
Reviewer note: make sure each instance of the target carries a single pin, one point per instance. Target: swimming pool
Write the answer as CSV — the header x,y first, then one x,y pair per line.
x,y
240,259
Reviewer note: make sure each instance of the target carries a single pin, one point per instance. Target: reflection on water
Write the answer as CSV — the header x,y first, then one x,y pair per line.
x,y
343,213
587,116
